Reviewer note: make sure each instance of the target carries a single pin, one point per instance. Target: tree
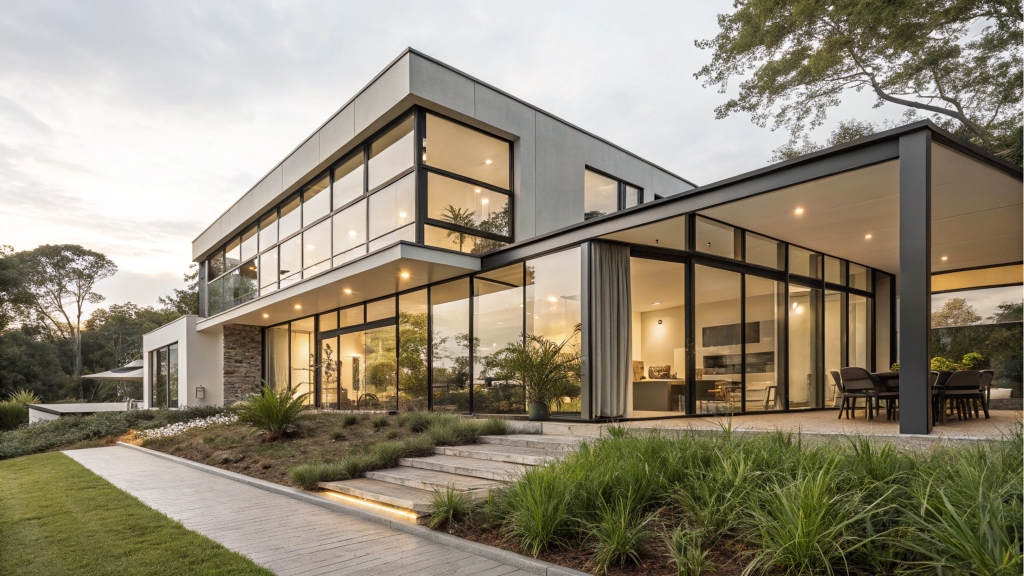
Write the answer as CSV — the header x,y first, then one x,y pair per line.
x,y
184,302
10,281
119,329
955,312
459,217
31,363
57,282
1009,312
957,60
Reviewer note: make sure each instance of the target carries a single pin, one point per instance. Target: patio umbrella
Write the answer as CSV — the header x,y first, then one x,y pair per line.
x,y
131,372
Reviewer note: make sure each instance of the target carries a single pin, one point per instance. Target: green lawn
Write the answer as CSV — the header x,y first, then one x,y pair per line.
x,y
57,517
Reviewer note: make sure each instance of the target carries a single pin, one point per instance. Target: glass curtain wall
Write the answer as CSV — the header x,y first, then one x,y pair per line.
x,y
720,333
835,340
658,326
303,359
553,298
805,338
765,301
163,380
413,331
860,342
450,370
497,322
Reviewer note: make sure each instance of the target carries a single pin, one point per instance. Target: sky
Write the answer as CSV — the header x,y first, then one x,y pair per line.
x,y
129,126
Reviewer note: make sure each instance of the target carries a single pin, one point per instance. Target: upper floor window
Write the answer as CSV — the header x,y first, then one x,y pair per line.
x,y
603,194
466,152
391,154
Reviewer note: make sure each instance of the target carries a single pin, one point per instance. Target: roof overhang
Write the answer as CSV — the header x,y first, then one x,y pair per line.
x,y
375,275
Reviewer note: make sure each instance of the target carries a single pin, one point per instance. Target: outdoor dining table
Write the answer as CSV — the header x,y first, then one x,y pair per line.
x,y
891,380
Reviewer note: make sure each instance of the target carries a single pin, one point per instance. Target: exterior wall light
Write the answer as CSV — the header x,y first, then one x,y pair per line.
x,y
200,392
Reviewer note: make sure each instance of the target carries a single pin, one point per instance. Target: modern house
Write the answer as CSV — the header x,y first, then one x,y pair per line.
x,y
435,218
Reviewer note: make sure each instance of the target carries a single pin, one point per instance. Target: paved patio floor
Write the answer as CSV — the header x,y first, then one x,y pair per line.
x,y
821,423
283,534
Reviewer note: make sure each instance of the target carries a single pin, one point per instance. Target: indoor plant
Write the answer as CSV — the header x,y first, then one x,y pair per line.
x,y
543,367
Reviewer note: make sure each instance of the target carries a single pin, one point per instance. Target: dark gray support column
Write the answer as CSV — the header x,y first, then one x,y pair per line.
x,y
915,282
586,340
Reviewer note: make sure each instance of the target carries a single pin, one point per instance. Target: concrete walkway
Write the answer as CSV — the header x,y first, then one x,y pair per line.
x,y
283,534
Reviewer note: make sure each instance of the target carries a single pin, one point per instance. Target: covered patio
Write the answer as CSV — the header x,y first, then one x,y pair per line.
x,y
852,237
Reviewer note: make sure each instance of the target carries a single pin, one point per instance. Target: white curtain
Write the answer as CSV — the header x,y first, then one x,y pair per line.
x,y
610,330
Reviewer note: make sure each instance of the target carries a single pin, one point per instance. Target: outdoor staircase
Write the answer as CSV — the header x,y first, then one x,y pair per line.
x,y
474,469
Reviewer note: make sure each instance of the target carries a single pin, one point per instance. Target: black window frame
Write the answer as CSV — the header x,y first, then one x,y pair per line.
x,y
620,192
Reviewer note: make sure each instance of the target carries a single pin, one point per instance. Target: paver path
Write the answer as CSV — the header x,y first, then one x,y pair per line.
x,y
281,533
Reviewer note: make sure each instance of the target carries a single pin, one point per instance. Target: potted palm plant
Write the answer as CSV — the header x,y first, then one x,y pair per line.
x,y
544,368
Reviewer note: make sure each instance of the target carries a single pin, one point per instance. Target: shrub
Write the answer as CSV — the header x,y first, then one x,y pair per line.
x,y
273,412
620,534
449,506
451,430
537,509
12,415
337,435
24,397
416,421
68,430
686,550
308,476
379,420
350,419
493,427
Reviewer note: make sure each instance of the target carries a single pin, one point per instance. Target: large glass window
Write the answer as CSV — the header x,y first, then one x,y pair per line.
x,y
172,376
393,207
331,365
633,196
467,152
835,341
268,230
804,262
291,217
233,253
351,316
459,241
497,321
833,270
380,309
720,334
350,228
553,308
600,195
858,276
303,358
764,314
860,331
412,350
405,233
316,249
764,251
215,265
391,154
290,264
348,180
276,360
467,205
449,309
380,381
268,270
716,238
316,201
658,307
804,342
163,377
249,243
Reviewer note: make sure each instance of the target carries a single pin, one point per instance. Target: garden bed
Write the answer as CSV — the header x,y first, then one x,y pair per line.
x,y
643,503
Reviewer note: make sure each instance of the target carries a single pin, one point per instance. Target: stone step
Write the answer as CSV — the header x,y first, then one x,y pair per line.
x,y
415,500
432,480
487,469
510,454
543,441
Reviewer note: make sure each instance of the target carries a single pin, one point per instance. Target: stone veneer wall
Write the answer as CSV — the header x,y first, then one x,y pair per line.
x,y
243,362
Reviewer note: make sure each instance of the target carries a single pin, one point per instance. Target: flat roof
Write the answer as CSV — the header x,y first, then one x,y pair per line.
x,y
80,408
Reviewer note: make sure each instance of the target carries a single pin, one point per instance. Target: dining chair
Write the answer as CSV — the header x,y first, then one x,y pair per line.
x,y
959,391
857,383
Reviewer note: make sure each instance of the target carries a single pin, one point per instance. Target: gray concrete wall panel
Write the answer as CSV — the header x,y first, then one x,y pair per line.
x,y
302,161
375,101
337,132
435,83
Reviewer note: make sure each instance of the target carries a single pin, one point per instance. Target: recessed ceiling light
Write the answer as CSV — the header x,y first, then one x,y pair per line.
x,y
484,201
353,233
477,190
404,274
488,161
944,258
799,211
795,304
401,214
552,299
868,236
310,246
266,315
347,290
655,303
298,306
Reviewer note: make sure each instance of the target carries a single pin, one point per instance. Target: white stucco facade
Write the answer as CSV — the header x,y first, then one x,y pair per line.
x,y
200,362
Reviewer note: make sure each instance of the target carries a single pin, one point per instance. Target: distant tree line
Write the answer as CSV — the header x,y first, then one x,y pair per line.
x,y
47,341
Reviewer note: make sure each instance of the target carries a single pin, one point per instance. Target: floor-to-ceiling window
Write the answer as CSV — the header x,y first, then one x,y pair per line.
x,y
413,340
303,358
719,334
497,322
553,311
163,371
835,341
805,342
860,341
658,327
450,370
765,305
